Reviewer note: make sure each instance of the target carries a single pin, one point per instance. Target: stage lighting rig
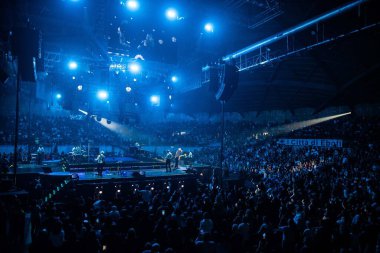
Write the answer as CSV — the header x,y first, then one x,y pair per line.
x,y
73,65
132,5
155,100
134,67
172,14
209,28
102,95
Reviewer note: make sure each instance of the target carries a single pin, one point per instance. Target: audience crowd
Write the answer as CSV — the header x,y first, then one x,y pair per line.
x,y
55,130
287,199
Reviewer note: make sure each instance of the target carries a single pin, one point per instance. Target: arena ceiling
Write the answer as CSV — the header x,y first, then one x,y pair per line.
x,y
344,71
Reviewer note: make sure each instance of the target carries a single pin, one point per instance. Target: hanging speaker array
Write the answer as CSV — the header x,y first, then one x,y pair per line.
x,y
223,80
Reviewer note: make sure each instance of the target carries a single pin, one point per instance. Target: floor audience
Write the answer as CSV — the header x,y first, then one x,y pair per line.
x,y
292,199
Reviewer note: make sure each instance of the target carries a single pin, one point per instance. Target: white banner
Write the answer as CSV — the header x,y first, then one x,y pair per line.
x,y
312,142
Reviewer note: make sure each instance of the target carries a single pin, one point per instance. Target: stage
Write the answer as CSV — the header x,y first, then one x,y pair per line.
x,y
143,174
115,173
124,175
116,165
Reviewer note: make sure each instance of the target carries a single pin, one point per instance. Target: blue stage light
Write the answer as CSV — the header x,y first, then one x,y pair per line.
x,y
132,5
73,65
209,27
58,96
128,89
102,95
155,100
80,87
174,79
171,14
134,67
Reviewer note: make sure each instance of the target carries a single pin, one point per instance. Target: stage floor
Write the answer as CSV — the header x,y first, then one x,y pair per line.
x,y
78,168
91,178
125,174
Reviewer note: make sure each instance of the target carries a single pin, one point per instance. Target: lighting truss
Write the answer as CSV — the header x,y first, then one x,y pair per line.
x,y
120,62
51,59
249,62
283,44
271,11
265,10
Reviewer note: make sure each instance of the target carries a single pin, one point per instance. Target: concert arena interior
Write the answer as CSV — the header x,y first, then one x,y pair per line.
x,y
218,126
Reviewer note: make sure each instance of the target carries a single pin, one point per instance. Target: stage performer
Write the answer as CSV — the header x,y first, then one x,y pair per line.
x,y
190,158
40,154
101,159
177,157
168,158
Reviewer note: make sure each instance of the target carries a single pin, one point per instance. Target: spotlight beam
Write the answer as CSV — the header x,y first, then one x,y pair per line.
x,y
121,130
283,129
117,128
